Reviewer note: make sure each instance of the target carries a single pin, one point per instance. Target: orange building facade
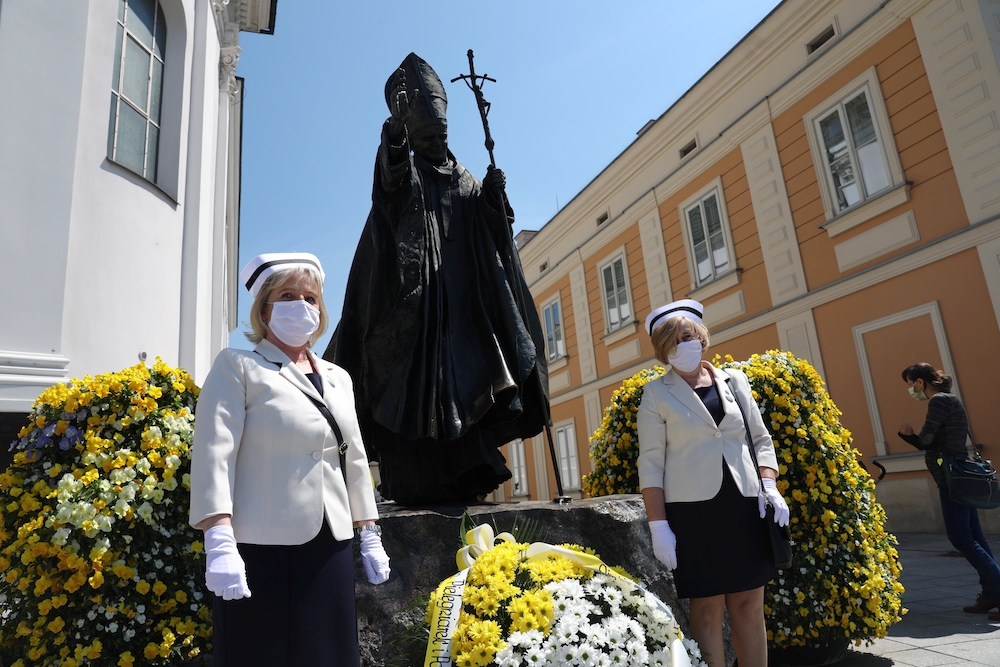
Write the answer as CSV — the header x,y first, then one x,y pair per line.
x,y
831,187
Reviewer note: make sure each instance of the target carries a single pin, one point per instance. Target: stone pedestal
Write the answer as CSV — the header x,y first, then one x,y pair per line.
x,y
422,543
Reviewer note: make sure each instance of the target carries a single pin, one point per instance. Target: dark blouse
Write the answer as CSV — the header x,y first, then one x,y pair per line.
x,y
710,397
317,381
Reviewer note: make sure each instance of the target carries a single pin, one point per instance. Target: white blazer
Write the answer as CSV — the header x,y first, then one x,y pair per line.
x,y
681,449
264,453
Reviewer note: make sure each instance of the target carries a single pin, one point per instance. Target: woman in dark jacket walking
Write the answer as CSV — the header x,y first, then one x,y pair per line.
x,y
944,434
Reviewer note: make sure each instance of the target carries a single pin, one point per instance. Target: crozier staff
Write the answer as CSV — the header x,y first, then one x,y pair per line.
x,y
702,496
279,486
943,434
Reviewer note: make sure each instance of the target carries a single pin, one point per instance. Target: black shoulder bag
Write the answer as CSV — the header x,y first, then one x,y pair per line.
x,y
776,536
971,482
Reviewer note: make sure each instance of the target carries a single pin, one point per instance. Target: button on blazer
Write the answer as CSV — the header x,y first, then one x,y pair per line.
x,y
265,454
682,450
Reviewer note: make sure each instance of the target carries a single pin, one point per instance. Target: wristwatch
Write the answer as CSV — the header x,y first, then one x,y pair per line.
x,y
372,527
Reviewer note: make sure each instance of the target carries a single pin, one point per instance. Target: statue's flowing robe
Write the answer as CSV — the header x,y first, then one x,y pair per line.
x,y
439,332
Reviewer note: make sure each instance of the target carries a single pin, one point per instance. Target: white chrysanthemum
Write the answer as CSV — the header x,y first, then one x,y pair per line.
x,y
661,657
618,657
536,655
506,657
525,639
567,588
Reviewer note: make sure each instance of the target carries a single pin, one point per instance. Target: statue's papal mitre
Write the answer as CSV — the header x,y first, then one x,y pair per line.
x,y
425,93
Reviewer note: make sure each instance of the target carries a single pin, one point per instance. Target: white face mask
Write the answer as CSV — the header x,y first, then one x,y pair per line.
x,y
293,322
686,356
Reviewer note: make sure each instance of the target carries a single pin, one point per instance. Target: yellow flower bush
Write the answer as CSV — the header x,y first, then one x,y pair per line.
x,y
614,447
98,565
844,578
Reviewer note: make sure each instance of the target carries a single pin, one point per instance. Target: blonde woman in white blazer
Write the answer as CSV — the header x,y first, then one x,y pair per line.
x,y
278,500
702,495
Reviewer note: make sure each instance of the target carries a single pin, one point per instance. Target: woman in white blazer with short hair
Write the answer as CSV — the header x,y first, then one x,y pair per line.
x,y
702,495
277,490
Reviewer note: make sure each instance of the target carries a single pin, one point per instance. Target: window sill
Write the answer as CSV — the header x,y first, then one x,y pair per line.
x,y
865,211
720,284
620,333
142,180
558,363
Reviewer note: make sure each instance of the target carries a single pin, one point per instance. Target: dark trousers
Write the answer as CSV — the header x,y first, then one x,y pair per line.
x,y
301,610
965,533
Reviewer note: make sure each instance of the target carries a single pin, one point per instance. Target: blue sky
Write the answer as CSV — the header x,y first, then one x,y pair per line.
x,y
575,82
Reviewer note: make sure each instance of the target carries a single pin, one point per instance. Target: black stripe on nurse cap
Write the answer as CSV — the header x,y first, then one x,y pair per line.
x,y
260,267
689,308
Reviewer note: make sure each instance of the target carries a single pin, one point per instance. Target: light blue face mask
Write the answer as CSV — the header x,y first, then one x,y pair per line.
x,y
919,395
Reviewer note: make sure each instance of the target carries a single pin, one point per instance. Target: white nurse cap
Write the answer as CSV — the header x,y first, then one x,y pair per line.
x,y
260,267
688,308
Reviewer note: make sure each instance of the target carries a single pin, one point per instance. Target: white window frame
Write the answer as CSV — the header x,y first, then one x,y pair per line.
x,y
557,351
568,455
518,468
609,261
839,220
119,100
721,279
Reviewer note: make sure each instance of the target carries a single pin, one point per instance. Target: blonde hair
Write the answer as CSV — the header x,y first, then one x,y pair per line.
x,y
258,327
664,337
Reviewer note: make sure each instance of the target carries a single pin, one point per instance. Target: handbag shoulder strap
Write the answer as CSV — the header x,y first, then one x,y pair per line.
x,y
746,425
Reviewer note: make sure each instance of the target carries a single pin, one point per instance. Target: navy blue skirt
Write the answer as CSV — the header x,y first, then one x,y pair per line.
x,y
720,544
301,611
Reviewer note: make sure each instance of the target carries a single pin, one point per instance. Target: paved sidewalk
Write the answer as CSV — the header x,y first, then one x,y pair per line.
x,y
939,582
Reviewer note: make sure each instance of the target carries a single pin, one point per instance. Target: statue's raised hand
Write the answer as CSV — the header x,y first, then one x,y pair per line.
x,y
495,182
399,104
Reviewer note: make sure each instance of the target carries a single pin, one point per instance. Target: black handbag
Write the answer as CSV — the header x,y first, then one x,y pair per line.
x,y
777,537
972,482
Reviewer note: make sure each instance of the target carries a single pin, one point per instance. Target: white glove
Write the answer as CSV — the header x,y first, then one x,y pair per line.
x,y
780,506
225,571
664,543
373,557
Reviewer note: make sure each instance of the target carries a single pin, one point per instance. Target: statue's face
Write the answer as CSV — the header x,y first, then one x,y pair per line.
x,y
431,143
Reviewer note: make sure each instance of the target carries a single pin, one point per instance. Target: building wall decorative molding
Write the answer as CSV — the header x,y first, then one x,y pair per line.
x,y
581,321
879,240
654,260
559,381
779,243
797,334
930,309
594,412
989,257
725,309
958,39
624,353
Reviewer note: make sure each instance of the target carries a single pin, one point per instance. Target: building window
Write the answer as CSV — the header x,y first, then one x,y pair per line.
x,y
569,465
137,87
858,170
614,285
853,158
518,469
708,236
552,321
